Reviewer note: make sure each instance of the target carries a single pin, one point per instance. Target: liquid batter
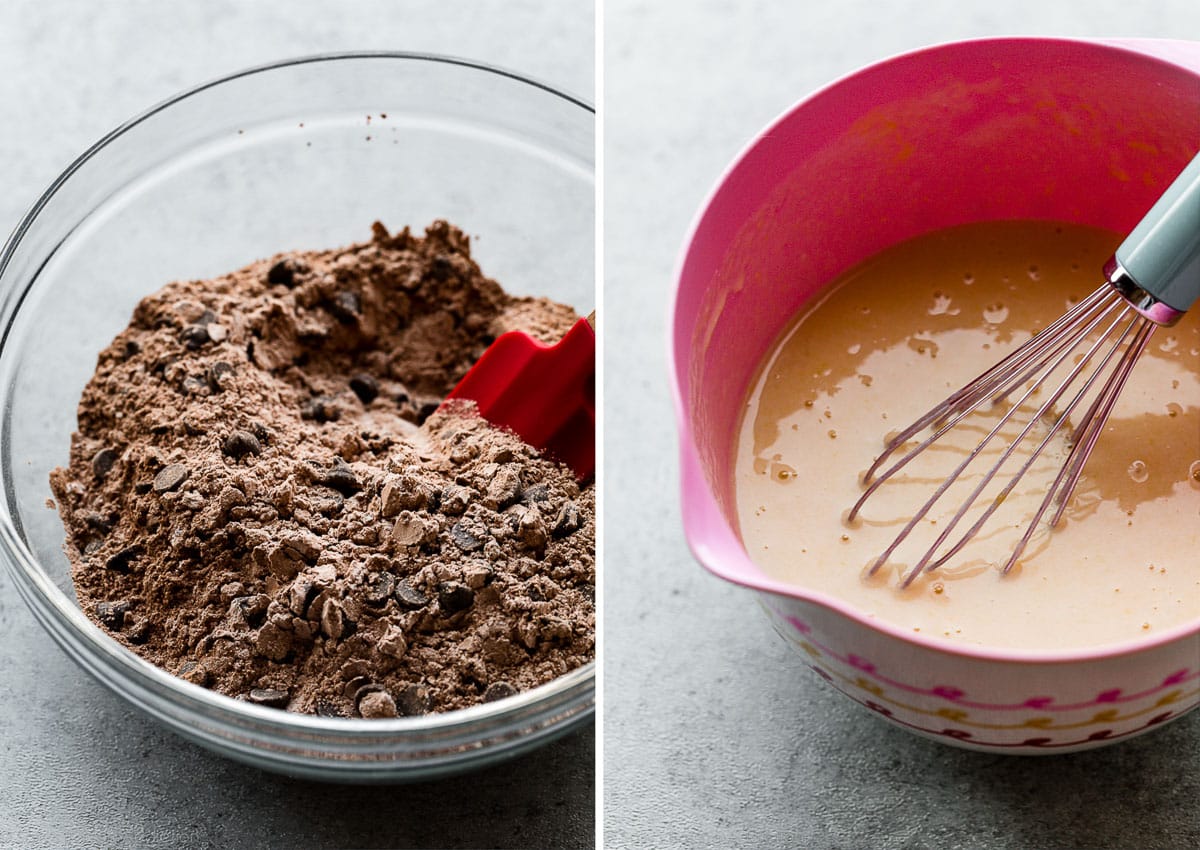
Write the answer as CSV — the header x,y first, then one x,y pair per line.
x,y
888,341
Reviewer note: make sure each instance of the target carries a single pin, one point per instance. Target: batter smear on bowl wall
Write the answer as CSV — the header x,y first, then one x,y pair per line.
x,y
267,497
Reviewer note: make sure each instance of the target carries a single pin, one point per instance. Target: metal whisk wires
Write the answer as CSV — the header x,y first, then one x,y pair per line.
x,y
1151,280
1070,343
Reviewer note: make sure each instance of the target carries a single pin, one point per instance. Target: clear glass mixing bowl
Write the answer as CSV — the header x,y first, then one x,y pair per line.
x,y
301,154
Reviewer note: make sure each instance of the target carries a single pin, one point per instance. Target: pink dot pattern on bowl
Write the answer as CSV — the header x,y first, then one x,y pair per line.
x,y
959,696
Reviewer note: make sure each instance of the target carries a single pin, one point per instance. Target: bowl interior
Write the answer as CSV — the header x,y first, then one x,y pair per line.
x,y
965,132
301,155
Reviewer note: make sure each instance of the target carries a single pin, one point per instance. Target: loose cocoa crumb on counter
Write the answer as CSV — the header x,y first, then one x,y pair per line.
x,y
264,498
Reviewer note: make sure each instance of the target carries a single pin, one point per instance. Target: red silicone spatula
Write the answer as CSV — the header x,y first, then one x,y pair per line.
x,y
543,393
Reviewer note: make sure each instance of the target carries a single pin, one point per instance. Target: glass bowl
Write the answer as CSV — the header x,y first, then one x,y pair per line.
x,y
298,155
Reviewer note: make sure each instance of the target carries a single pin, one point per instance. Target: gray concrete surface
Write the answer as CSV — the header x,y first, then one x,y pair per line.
x,y
78,767
713,734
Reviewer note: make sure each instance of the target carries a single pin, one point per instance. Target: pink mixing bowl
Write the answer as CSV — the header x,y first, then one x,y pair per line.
x,y
1088,132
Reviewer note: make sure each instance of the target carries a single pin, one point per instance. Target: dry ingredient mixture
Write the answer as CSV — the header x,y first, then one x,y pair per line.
x,y
265,499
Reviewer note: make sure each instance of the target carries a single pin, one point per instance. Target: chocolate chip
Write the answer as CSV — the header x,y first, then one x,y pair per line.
x,y
241,443
408,596
283,273
191,671
340,477
194,337
534,494
132,349
365,387
103,462
137,631
98,522
499,690
321,409
465,539
426,408
441,267
567,522
170,477
192,386
346,306
454,596
412,700
379,587
219,375
120,562
112,614
325,708
269,697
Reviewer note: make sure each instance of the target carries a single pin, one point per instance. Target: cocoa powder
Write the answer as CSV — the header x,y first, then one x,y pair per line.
x,y
264,498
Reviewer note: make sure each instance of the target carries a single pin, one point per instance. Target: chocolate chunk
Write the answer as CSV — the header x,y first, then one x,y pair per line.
x,y
321,409
412,700
192,671
241,443
379,587
340,477
465,539
194,337
346,306
170,477
219,375
98,522
282,273
499,690
137,631
536,493
567,522
192,386
121,561
426,408
325,708
103,462
269,697
441,268
454,596
112,614
365,387
408,596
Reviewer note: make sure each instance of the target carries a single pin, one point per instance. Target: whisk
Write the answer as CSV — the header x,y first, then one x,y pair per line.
x,y
1151,281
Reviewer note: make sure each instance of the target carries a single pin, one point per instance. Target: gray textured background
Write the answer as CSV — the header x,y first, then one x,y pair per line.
x,y
78,768
713,734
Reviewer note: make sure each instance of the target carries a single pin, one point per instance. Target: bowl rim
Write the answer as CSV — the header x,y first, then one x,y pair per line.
x,y
698,505
214,704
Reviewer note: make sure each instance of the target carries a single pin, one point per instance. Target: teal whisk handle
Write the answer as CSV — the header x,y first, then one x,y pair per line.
x,y
1161,257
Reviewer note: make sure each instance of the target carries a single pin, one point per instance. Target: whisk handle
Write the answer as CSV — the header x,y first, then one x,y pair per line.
x,y
1162,254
